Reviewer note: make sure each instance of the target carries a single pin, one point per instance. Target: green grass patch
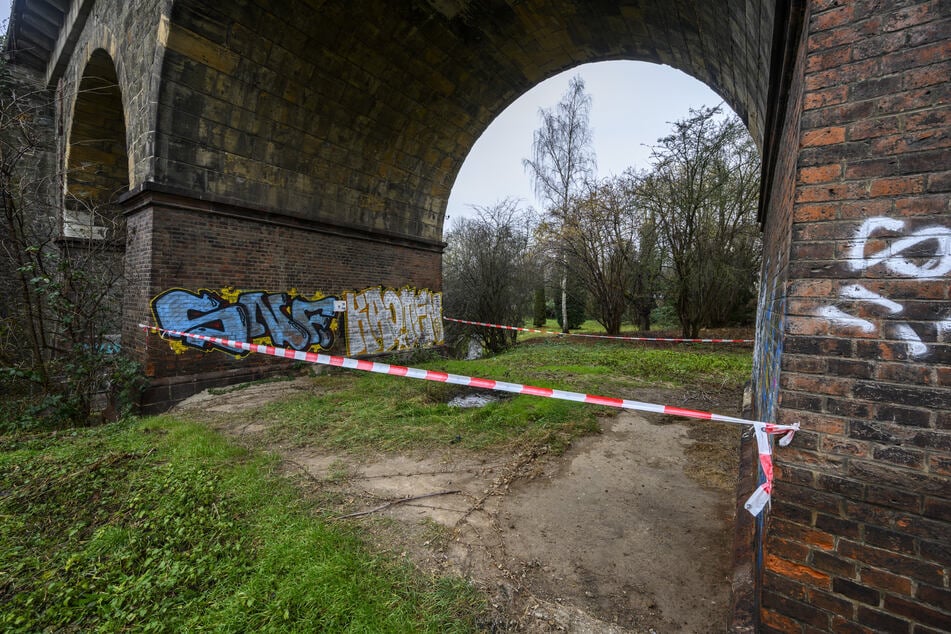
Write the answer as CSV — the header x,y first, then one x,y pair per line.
x,y
385,413
581,366
360,411
162,525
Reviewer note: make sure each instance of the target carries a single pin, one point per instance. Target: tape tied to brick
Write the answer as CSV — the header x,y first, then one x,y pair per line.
x,y
762,430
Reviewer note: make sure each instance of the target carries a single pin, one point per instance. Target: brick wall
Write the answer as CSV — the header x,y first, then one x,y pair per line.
x,y
178,242
858,538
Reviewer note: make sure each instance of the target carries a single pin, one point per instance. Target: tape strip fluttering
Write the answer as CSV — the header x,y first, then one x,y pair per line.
x,y
763,430
579,334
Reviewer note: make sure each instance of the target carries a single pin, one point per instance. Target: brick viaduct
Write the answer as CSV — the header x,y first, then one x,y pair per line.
x,y
312,144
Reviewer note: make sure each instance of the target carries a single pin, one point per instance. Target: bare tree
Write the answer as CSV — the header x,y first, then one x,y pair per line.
x,y
562,161
488,270
599,237
702,193
61,297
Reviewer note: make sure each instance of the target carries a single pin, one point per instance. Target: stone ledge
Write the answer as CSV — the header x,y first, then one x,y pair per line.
x,y
154,193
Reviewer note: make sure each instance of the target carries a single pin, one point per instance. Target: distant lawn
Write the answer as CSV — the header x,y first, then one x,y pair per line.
x,y
592,327
358,410
163,526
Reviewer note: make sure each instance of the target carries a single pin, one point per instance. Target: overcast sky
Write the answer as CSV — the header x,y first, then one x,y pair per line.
x,y
633,104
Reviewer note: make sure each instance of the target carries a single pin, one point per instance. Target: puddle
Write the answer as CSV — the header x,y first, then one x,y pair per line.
x,y
473,400
475,350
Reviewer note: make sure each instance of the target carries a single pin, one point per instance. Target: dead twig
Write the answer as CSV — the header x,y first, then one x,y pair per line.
x,y
395,502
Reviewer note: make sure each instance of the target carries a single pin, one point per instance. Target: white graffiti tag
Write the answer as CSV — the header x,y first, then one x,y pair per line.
x,y
931,249
382,320
937,265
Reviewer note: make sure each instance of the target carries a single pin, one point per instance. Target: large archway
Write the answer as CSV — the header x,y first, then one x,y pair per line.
x,y
364,116
96,175
97,161
633,105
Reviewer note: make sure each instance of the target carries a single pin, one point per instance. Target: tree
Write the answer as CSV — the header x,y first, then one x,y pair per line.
x,y
488,270
562,161
611,246
61,298
646,270
575,307
599,237
702,194
539,313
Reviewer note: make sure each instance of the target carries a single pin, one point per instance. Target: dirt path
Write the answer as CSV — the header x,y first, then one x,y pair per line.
x,y
612,536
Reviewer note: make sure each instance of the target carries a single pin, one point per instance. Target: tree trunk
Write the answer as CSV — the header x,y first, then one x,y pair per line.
x,y
564,298
645,320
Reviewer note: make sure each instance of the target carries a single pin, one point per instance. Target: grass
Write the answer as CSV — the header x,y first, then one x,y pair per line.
x,y
161,525
361,411
357,411
614,369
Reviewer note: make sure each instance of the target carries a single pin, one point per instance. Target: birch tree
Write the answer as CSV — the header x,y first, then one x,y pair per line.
x,y
562,161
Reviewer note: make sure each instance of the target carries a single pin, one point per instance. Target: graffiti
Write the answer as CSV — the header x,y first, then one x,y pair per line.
x,y
384,320
930,248
280,319
938,263
767,354
378,319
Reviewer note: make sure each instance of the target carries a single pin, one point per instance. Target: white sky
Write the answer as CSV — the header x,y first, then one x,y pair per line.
x,y
632,105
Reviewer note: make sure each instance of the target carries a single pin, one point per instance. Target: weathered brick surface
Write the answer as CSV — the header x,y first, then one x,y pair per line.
x,y
867,320
179,242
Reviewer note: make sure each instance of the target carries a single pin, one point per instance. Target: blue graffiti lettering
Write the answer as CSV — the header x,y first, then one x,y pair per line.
x,y
276,318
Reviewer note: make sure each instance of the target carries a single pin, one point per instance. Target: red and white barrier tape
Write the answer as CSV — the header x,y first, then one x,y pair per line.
x,y
754,505
578,334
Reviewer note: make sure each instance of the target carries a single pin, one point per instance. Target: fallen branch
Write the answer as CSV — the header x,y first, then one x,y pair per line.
x,y
395,502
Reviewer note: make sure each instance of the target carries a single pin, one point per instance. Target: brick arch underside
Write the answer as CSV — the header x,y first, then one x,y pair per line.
x,y
362,116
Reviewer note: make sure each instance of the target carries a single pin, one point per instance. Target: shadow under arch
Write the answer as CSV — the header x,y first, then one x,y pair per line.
x,y
97,160
96,175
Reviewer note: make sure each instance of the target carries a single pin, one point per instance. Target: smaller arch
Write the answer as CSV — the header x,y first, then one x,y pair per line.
x,y
97,159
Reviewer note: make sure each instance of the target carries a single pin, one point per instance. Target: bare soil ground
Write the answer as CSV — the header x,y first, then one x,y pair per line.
x,y
628,531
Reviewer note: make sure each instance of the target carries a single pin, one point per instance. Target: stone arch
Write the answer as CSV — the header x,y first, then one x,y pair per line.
x,y
305,144
96,156
361,116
